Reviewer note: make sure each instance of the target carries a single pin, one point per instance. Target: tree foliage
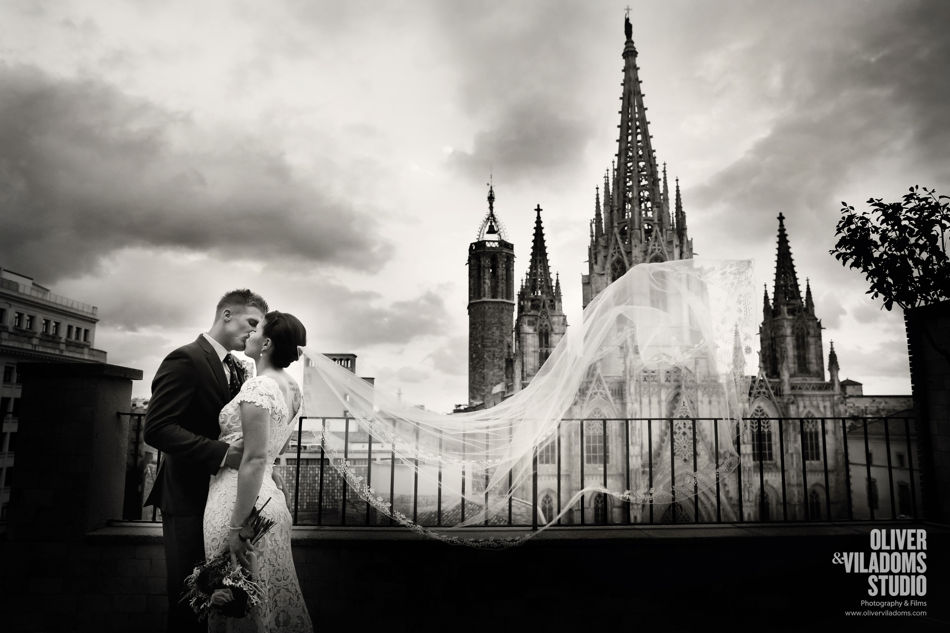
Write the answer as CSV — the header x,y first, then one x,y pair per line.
x,y
901,247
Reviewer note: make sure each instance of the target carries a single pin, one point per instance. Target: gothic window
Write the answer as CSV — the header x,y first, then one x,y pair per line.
x,y
547,453
682,429
801,349
761,430
595,449
811,441
600,509
544,341
814,505
547,508
493,272
617,269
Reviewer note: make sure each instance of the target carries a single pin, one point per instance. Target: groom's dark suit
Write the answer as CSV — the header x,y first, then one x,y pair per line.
x,y
188,392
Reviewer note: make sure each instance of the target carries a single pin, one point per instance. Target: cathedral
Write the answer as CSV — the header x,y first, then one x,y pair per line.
x,y
788,448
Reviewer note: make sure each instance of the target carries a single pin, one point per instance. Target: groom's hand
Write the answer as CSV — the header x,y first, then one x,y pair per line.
x,y
235,453
279,482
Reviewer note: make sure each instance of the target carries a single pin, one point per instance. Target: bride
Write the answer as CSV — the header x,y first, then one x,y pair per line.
x,y
264,414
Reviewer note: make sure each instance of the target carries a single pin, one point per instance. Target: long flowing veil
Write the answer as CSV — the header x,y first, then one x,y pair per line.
x,y
636,410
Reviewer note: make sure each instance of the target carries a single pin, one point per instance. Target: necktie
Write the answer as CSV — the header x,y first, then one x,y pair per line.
x,y
234,382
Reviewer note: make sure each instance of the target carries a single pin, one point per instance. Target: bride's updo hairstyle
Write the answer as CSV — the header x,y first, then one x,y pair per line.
x,y
286,333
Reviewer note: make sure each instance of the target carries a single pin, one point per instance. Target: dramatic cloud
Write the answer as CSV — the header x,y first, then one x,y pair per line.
x,y
862,89
525,89
86,170
333,155
362,322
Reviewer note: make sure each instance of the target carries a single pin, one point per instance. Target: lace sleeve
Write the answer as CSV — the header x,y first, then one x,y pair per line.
x,y
259,391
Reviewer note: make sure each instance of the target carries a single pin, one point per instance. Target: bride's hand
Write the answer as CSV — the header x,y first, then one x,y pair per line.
x,y
242,552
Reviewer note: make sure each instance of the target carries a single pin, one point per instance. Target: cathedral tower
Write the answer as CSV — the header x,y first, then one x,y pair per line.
x,y
790,335
491,302
635,223
541,322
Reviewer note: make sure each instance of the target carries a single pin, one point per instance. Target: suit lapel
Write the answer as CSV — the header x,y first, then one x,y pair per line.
x,y
217,369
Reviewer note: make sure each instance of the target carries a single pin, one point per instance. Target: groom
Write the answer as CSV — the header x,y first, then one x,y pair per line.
x,y
191,387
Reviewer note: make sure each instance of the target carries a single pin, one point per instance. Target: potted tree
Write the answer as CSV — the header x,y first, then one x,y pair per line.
x,y
901,247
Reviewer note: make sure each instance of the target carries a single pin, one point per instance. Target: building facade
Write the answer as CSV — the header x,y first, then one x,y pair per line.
x,y
628,416
35,326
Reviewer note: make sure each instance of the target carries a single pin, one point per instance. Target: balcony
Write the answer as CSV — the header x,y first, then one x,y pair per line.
x,y
72,562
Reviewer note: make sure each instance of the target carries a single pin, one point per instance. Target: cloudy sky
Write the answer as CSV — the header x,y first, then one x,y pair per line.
x,y
334,155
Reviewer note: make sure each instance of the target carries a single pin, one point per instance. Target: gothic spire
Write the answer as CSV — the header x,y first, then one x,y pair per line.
x,y
766,305
786,291
636,190
665,211
833,359
809,302
598,215
539,273
680,214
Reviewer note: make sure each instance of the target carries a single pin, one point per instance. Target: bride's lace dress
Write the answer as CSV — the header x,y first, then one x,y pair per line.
x,y
283,607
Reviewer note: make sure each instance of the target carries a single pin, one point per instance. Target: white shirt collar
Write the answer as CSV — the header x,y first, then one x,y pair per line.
x,y
218,347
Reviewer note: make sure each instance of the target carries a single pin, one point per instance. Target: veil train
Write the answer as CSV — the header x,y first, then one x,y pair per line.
x,y
635,413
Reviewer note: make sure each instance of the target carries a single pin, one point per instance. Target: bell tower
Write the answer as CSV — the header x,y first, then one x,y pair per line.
x,y
491,303
540,323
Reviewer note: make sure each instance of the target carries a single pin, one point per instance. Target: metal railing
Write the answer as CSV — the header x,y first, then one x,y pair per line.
x,y
752,470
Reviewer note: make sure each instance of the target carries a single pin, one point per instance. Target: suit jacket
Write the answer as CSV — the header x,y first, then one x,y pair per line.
x,y
188,392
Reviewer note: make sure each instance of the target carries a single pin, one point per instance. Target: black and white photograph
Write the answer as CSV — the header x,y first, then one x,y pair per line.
x,y
444,315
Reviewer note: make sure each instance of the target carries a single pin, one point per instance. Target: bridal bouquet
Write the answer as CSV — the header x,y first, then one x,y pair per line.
x,y
224,586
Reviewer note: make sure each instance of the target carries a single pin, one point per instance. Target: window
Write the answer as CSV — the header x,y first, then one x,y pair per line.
x,y
811,441
595,450
29,322
901,460
85,335
46,325
801,351
814,505
544,342
69,331
55,328
4,406
8,478
11,446
7,374
3,316
762,441
547,454
18,319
